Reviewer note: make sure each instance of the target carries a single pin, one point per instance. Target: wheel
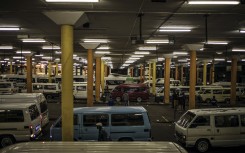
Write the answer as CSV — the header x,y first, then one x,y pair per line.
x,y
49,97
139,99
6,141
208,100
202,145
118,99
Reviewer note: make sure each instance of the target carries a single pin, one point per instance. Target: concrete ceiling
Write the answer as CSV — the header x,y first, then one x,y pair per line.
x,y
118,21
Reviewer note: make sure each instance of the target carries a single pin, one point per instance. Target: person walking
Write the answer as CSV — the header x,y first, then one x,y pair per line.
x,y
183,100
126,98
111,102
214,101
103,136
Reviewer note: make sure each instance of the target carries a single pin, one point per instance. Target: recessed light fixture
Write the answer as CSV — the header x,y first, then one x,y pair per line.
x,y
134,58
39,55
175,29
106,58
129,61
23,52
95,41
211,2
18,57
9,28
219,53
51,47
6,47
157,41
73,1
180,53
238,50
242,31
148,48
33,40
102,52
142,53
217,43
137,55
219,59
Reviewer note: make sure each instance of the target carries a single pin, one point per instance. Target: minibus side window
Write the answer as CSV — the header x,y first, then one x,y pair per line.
x,y
217,91
243,120
81,88
201,121
92,119
50,87
134,119
11,116
226,121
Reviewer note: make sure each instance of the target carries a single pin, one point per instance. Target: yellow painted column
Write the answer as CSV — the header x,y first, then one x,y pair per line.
x,y
233,80
34,69
192,98
212,73
56,68
149,72
204,73
154,78
176,72
49,71
197,75
102,76
141,74
90,98
105,69
67,82
182,75
11,68
167,80
29,74
97,79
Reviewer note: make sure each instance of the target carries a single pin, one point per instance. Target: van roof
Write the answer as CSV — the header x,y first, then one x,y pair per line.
x,y
107,147
15,105
113,109
212,111
22,95
132,85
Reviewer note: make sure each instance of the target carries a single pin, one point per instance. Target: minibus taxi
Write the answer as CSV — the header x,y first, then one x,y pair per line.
x,y
211,127
80,90
37,98
221,94
19,123
121,123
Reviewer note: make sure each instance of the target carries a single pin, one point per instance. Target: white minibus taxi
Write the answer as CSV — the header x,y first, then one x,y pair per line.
x,y
37,98
221,94
95,147
50,90
121,123
80,90
18,123
211,127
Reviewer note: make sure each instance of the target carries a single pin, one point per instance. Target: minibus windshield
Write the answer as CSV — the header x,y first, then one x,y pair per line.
x,y
185,120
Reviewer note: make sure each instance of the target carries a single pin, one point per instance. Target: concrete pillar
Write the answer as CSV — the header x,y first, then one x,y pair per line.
x,y
29,73
176,72
97,78
204,77
154,77
192,98
49,72
182,74
212,72
90,79
11,67
67,82
233,80
149,72
141,74
102,76
167,79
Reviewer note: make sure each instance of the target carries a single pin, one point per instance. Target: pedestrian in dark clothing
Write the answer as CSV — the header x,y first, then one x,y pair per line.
x,y
111,102
183,100
103,136
213,101
174,99
126,98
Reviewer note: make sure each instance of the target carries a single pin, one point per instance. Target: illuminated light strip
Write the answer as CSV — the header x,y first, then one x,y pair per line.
x,y
213,2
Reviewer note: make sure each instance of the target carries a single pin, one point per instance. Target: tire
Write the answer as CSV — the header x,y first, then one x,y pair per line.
x,y
6,141
118,99
202,145
49,97
139,99
208,100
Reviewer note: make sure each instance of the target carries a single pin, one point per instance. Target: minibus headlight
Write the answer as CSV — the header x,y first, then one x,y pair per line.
x,y
183,137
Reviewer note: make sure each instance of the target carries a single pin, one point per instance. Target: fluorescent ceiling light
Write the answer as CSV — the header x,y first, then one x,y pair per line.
x,y
180,53
229,61
182,60
219,53
175,30
33,40
160,59
102,52
219,59
217,42
129,61
9,28
51,47
157,41
6,47
18,57
47,57
103,47
148,48
95,41
122,67
214,2
242,31
106,58
134,58
143,53
72,1
238,50
137,55
243,60
125,64
23,52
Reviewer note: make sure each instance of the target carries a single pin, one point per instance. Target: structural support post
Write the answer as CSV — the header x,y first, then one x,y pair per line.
x,y
176,72
233,80
49,71
29,73
103,76
154,77
90,79
97,78
182,75
141,74
204,77
167,80
212,72
192,98
67,82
